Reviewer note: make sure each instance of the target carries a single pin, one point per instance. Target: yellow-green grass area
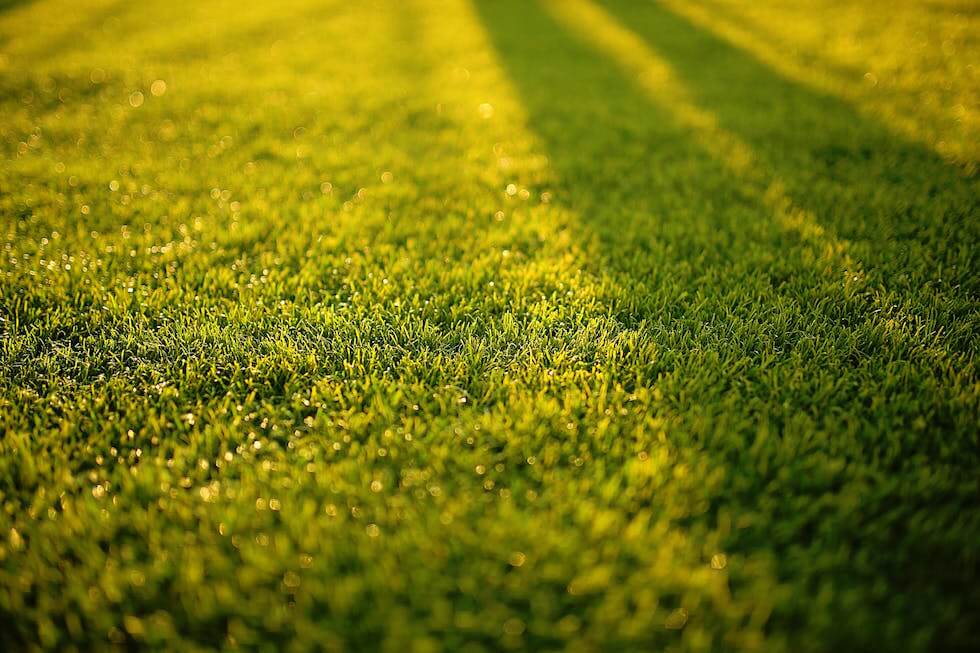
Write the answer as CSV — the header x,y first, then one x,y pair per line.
x,y
478,325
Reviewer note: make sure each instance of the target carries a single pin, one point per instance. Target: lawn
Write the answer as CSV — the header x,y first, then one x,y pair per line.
x,y
478,325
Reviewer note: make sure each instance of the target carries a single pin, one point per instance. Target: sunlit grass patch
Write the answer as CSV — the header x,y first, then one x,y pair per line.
x,y
478,326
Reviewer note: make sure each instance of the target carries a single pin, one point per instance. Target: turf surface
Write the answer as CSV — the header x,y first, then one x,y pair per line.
x,y
468,326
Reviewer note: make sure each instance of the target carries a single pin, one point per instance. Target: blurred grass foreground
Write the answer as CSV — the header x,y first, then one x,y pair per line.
x,y
479,325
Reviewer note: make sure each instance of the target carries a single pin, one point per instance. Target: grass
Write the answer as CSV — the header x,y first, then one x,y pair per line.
x,y
486,325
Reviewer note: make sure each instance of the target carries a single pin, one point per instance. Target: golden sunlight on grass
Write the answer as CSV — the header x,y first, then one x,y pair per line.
x,y
910,63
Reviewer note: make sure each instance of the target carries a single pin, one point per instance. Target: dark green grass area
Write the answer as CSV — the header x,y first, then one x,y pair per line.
x,y
848,478
452,336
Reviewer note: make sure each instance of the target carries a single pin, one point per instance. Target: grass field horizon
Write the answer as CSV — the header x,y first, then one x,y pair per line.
x,y
476,325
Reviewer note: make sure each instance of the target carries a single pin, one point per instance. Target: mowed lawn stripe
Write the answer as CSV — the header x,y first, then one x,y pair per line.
x,y
471,326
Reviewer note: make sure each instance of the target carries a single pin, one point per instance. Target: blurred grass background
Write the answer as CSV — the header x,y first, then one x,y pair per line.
x,y
562,325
